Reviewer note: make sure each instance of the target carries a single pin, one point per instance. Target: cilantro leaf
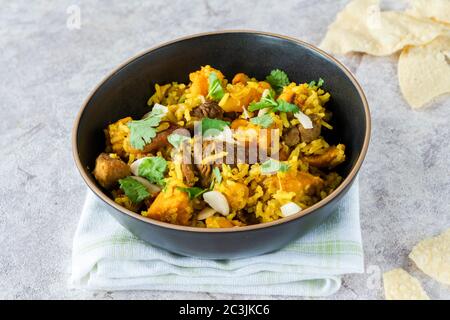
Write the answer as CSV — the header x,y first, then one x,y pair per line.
x,y
143,131
217,175
133,189
177,140
318,84
215,90
284,106
216,179
193,192
213,125
153,169
271,166
267,101
278,79
264,121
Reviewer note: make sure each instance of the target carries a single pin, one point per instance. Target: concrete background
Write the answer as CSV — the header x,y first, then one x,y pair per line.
x,y
47,70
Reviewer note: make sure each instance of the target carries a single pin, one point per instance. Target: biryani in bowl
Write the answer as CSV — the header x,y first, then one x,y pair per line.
x,y
216,153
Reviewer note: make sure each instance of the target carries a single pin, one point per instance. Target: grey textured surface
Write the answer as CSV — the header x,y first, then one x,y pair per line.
x,y
47,70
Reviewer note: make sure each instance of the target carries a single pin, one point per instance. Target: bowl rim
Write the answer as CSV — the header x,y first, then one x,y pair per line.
x,y
344,184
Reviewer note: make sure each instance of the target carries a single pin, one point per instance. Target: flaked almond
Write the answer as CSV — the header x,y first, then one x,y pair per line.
x,y
205,213
217,201
289,209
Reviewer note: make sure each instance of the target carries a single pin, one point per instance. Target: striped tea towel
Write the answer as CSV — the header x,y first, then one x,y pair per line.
x,y
106,256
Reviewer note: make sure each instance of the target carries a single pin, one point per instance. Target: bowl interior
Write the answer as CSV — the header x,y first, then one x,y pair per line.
x,y
126,91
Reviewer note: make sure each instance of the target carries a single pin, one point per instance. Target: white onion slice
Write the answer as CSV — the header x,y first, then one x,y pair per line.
x,y
262,112
152,188
135,165
304,120
245,113
217,201
205,213
289,209
265,93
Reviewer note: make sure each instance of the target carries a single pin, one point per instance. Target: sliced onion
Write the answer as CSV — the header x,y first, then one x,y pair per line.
x,y
152,188
135,165
217,201
265,93
245,113
305,121
289,209
262,112
205,213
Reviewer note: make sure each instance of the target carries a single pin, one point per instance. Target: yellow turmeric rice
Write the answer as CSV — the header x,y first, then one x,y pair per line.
x,y
265,159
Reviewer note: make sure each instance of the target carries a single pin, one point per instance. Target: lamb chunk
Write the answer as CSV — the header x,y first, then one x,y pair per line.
x,y
291,137
109,170
160,140
204,171
188,174
209,109
308,135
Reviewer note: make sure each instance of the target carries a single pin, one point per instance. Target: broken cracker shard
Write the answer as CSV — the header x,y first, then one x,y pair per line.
x,y
432,256
422,33
400,285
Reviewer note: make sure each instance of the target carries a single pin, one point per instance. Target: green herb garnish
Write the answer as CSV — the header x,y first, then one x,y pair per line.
x,y
284,106
277,79
217,175
177,140
134,190
264,121
318,84
215,90
214,125
153,169
143,131
271,166
268,101
193,192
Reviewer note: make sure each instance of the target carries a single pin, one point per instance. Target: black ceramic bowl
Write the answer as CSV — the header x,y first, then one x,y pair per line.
x,y
126,90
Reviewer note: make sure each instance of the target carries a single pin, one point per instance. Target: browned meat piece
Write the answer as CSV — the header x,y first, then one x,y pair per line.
x,y
284,154
291,137
230,116
204,171
160,140
109,170
188,174
308,135
209,109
